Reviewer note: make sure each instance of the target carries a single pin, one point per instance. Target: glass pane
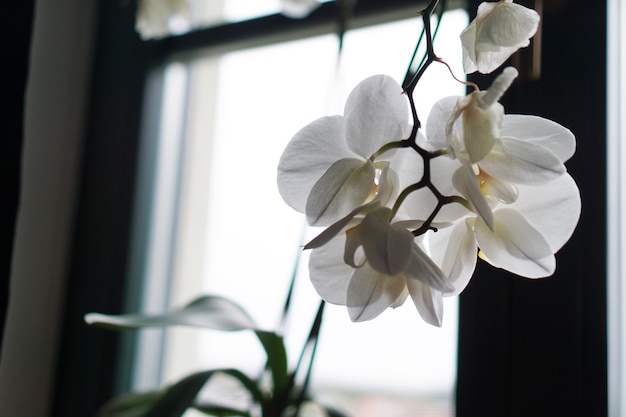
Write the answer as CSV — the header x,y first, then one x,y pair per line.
x,y
236,237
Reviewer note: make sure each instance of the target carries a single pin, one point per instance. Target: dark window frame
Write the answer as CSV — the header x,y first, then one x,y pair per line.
x,y
526,347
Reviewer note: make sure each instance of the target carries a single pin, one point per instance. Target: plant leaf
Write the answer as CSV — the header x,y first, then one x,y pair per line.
x,y
180,396
220,411
209,311
276,357
130,405
333,412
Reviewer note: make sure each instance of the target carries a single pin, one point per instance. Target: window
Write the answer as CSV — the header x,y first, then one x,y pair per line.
x,y
525,347
219,226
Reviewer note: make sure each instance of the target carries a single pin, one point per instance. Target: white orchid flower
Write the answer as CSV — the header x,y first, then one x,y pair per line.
x,y
154,16
500,29
328,168
497,151
373,265
524,239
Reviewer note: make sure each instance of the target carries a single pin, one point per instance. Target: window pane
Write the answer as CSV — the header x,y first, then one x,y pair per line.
x,y
236,237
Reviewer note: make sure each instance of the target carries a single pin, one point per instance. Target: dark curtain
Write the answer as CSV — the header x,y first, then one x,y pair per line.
x,y
15,41
538,347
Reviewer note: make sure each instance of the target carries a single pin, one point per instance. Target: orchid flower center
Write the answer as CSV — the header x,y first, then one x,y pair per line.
x,y
495,189
375,185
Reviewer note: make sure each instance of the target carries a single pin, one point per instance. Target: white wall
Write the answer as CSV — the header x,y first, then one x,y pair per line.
x,y
56,105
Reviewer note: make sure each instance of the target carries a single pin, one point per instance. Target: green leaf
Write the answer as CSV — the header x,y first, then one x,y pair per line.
x,y
210,311
220,411
276,357
130,405
180,396
333,412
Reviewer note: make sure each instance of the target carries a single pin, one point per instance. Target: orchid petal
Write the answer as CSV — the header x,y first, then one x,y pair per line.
x,y
553,209
481,126
388,183
503,191
422,268
387,248
371,292
465,182
428,301
500,29
436,123
376,113
522,162
343,187
353,243
455,250
540,131
307,156
329,274
332,230
515,245
401,299
508,25
468,42
497,88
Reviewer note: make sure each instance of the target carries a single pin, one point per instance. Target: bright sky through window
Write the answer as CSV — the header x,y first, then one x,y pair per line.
x,y
264,96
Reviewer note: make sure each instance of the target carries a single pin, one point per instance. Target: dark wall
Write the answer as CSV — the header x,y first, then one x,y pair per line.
x,y
538,347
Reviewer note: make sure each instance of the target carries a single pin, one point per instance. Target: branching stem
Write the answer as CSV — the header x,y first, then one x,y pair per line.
x,y
427,156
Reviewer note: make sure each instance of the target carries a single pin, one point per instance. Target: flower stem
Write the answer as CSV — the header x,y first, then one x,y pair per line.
x,y
427,156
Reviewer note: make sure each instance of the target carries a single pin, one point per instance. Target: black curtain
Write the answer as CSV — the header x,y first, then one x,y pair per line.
x,y
15,50
538,347
89,370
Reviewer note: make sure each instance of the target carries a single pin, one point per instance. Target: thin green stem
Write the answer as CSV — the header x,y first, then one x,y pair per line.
x,y
309,346
389,146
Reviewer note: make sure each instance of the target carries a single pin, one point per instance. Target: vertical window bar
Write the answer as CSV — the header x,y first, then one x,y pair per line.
x,y
154,237
616,293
